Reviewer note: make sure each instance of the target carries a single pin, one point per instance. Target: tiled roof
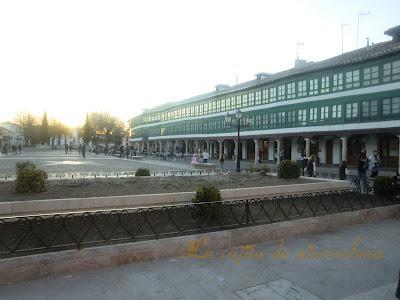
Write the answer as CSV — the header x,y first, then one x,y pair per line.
x,y
371,52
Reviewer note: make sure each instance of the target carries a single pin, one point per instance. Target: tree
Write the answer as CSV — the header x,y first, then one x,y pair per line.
x,y
87,131
44,130
27,122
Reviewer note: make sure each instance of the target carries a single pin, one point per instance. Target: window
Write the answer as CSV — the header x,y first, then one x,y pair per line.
x,y
337,82
228,103
337,111
281,119
391,106
191,111
302,117
244,100
324,115
251,99
196,110
281,92
301,88
265,96
352,79
371,75
351,110
325,84
223,101
257,121
205,108
200,109
313,114
214,106
258,97
272,120
265,120
238,101
291,93
369,109
391,71
313,87
272,94
291,118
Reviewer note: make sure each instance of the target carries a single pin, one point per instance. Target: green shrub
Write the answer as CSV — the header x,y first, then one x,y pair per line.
x,y
263,169
251,168
288,169
30,179
142,172
208,193
383,186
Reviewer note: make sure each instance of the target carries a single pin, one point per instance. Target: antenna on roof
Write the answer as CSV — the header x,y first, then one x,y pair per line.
x,y
360,14
297,49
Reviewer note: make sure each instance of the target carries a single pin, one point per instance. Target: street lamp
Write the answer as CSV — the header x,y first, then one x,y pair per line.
x,y
247,121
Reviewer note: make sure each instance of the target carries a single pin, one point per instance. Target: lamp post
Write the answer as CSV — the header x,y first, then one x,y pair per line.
x,y
248,121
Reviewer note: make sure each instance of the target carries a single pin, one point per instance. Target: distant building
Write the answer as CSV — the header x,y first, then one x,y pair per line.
x,y
332,108
15,131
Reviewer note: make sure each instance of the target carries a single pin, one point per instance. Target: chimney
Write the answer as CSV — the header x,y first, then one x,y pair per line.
x,y
221,87
394,32
262,75
298,63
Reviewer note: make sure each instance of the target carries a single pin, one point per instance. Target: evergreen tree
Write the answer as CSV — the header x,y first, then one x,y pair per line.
x,y
87,130
44,130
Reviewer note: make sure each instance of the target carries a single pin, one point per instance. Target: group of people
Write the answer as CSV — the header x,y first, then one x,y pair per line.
x,y
13,149
200,157
81,148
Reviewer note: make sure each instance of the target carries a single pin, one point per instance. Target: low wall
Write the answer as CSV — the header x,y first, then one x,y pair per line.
x,y
117,202
72,261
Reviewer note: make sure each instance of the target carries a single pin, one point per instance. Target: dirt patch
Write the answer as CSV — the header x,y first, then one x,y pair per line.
x,y
79,188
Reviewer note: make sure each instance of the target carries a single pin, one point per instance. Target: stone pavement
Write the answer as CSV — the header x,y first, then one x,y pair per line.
x,y
270,271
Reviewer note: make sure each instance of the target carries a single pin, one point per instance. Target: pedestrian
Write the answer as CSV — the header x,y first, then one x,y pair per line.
x,y
70,147
374,163
221,161
362,166
83,150
205,156
79,148
66,148
343,171
312,166
19,148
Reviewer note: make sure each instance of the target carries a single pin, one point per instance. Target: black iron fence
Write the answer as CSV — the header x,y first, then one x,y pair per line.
x,y
54,232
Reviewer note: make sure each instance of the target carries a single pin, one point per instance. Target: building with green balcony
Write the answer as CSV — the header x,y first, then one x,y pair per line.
x,y
332,108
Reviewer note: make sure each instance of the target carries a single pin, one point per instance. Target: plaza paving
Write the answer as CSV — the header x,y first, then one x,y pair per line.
x,y
262,277
56,161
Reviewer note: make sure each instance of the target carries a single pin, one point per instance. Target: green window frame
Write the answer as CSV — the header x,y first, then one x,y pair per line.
x,y
324,113
352,110
391,106
302,88
291,90
352,79
265,120
281,92
265,96
302,117
313,114
258,97
369,109
337,111
337,82
272,94
325,84
313,87
371,76
391,71
251,99
272,120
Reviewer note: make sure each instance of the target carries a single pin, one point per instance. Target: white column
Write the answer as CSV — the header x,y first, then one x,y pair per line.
x,y
278,150
208,146
244,150
186,146
148,146
197,145
307,147
344,148
225,148
256,146
271,150
221,146
160,142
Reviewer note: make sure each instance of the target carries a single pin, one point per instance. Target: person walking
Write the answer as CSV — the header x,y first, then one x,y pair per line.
x,y
205,156
70,147
83,150
312,166
362,166
374,163
66,148
343,171
19,148
221,161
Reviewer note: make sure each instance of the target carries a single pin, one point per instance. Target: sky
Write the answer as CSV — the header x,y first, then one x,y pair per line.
x,y
73,57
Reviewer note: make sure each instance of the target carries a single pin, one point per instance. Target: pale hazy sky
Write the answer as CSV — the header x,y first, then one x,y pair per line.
x,y
70,57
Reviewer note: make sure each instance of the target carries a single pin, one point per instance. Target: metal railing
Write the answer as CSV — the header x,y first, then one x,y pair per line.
x,y
55,232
